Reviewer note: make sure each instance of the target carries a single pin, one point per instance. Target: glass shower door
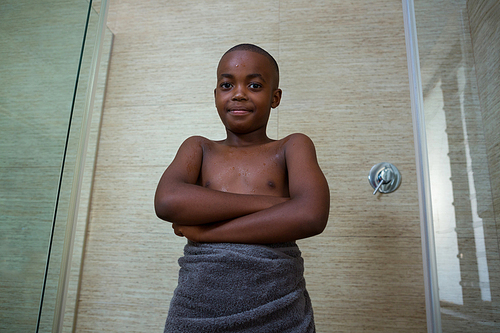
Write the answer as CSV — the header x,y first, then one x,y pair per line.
x,y
459,50
41,44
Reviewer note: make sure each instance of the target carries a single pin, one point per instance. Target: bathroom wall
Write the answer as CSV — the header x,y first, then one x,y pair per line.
x,y
345,84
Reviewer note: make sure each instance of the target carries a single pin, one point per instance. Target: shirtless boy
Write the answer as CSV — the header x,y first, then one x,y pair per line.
x,y
247,188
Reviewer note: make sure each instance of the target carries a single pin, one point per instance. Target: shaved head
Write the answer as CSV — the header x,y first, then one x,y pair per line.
x,y
256,49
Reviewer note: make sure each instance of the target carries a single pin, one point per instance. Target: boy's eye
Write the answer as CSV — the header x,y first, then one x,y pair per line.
x,y
225,85
255,85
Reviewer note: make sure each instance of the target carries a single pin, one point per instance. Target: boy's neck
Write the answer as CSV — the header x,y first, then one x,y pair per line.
x,y
246,140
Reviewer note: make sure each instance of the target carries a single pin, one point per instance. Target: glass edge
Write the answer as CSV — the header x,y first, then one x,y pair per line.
x,y
78,174
422,168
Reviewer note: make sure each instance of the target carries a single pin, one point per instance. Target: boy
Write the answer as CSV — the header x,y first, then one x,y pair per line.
x,y
242,203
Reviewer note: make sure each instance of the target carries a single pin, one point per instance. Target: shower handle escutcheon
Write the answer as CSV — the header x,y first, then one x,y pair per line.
x,y
384,178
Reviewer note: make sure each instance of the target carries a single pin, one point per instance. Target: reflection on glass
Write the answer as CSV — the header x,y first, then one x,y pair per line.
x,y
477,222
448,256
443,212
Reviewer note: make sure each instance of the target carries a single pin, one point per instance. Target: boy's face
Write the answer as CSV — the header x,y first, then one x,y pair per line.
x,y
247,89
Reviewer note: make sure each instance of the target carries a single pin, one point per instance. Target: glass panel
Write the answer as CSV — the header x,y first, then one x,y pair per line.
x,y
459,49
60,295
40,45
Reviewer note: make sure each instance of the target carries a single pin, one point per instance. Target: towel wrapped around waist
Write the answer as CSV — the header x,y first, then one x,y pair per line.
x,y
227,287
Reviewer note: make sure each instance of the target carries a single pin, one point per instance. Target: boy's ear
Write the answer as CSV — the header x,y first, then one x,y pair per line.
x,y
276,98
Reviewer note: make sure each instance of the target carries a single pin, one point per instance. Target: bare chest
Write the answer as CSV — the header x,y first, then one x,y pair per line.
x,y
249,170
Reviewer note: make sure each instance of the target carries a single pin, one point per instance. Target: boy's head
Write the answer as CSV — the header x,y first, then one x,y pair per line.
x,y
257,49
247,88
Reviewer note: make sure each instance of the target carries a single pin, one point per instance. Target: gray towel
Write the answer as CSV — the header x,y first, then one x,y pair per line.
x,y
240,288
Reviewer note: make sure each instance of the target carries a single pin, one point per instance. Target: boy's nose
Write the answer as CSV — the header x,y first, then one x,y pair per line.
x,y
239,94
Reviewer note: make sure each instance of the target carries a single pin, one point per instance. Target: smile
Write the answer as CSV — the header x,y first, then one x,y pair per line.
x,y
238,112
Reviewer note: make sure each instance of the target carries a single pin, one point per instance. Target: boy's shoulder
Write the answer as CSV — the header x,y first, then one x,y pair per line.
x,y
297,137
297,140
197,140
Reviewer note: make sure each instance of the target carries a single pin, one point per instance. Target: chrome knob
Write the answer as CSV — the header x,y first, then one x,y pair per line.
x,y
384,178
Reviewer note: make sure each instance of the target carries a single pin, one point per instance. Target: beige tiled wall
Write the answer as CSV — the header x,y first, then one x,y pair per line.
x,y
345,84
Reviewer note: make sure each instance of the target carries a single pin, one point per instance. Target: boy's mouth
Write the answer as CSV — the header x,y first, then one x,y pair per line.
x,y
238,112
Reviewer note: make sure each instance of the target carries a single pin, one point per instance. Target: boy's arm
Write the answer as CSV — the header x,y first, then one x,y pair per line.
x,y
304,215
180,200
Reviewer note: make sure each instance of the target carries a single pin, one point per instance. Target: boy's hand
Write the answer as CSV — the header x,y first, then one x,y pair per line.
x,y
191,232
177,229
195,233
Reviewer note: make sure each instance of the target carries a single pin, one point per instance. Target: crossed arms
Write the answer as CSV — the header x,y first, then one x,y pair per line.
x,y
205,215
